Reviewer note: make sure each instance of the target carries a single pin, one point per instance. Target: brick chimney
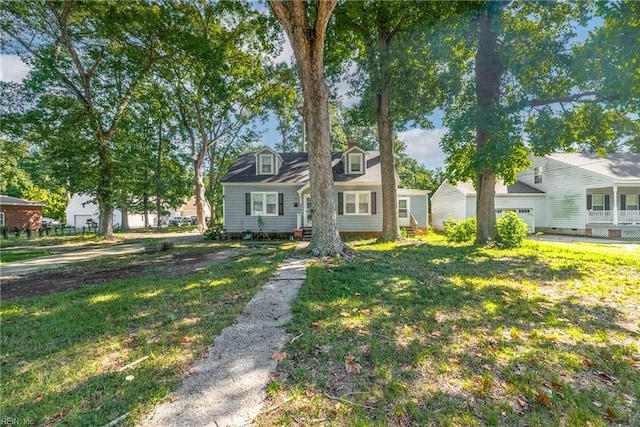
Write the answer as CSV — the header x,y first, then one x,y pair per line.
x,y
351,144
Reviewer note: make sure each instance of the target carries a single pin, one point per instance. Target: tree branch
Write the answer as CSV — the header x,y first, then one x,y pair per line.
x,y
571,98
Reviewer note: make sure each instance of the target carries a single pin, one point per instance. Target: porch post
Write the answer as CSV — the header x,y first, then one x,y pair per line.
x,y
615,204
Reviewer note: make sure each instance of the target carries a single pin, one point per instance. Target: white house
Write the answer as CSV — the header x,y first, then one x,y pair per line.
x,y
563,193
459,201
81,210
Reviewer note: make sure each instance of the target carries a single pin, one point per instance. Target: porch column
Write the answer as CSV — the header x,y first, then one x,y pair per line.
x,y
615,204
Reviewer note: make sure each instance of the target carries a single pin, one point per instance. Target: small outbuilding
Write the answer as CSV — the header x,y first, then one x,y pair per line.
x,y
20,213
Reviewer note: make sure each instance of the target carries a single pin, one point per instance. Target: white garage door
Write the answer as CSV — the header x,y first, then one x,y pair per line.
x,y
526,214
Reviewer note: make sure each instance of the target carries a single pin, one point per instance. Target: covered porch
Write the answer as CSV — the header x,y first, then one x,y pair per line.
x,y
616,205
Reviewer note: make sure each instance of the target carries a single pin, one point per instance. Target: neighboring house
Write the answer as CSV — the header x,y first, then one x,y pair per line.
x,y
582,194
24,214
587,194
275,187
187,210
459,202
82,211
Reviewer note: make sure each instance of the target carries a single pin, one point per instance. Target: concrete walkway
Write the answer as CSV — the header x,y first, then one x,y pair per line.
x,y
228,387
20,268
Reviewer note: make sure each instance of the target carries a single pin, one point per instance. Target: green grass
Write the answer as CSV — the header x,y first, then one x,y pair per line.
x,y
19,256
62,354
454,335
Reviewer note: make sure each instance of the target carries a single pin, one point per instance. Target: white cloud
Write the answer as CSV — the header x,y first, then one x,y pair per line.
x,y
423,145
12,69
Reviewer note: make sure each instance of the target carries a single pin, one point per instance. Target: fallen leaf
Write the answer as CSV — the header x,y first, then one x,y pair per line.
x,y
492,349
315,323
279,356
505,293
365,311
351,365
454,361
630,361
597,404
606,377
129,378
357,294
345,314
588,363
543,395
435,333
362,332
185,340
522,403
610,414
348,328
173,399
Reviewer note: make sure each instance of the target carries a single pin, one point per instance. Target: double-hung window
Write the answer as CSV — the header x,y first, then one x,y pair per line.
x,y
265,164
265,204
537,175
597,202
355,161
357,203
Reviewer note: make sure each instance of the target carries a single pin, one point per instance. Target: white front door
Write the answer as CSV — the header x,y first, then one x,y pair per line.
x,y
403,212
307,211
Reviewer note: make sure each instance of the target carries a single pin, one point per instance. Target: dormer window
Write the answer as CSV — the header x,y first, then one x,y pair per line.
x,y
266,164
355,163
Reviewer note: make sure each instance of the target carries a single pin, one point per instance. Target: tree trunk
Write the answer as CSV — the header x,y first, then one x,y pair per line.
x,y
200,192
124,225
145,202
158,180
488,70
104,191
390,228
307,40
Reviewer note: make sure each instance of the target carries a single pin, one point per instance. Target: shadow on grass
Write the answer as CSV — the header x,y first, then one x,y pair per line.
x,y
61,353
457,336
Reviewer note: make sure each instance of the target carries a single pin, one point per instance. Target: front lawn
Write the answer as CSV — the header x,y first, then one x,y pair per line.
x,y
434,334
88,356
20,256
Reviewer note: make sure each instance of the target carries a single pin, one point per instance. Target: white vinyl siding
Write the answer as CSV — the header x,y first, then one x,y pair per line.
x,y
566,192
265,204
447,202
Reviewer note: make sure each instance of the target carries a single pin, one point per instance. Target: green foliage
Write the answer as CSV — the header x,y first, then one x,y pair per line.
x,y
511,229
461,231
55,200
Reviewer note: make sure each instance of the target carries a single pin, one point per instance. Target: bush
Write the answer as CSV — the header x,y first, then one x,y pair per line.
x,y
511,229
462,231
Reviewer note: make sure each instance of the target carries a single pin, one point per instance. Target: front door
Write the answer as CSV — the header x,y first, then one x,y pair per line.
x,y
403,212
307,210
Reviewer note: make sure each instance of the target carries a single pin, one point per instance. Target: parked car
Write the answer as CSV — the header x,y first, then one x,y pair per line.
x,y
50,222
180,220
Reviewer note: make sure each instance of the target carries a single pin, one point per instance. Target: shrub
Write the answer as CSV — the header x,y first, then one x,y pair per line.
x,y
511,229
462,231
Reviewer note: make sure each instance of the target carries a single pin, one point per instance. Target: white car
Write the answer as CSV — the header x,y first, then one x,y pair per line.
x,y
50,222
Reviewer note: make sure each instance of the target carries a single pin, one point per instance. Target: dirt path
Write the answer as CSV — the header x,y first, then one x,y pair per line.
x,y
227,388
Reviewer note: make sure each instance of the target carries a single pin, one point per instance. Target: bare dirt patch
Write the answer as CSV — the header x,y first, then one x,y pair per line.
x,y
66,278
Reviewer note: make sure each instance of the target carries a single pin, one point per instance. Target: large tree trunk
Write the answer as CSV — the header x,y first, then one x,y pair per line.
x,y
158,180
104,191
488,71
307,40
124,225
200,191
390,228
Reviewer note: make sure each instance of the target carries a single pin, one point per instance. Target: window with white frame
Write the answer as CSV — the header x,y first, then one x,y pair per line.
x,y
355,162
357,203
537,175
266,164
1,219
597,202
632,201
265,204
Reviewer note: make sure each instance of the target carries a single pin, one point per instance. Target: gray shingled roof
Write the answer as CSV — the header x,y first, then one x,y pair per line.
x,y
14,201
295,169
516,188
621,166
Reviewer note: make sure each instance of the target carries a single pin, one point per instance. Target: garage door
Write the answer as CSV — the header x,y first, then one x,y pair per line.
x,y
526,214
81,220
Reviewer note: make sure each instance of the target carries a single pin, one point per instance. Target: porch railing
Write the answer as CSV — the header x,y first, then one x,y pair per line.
x,y
606,217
